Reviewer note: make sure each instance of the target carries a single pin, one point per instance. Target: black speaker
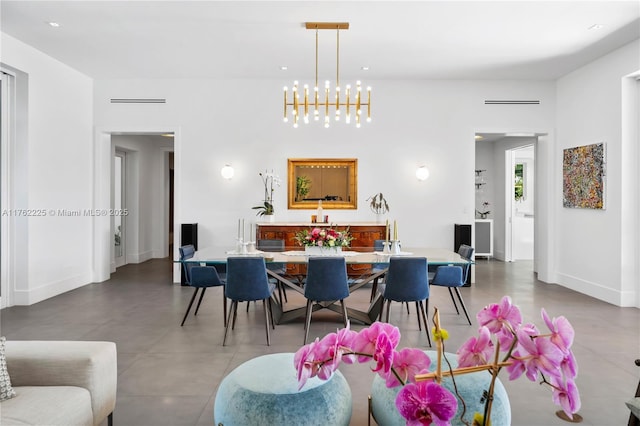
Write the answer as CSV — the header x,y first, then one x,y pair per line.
x,y
188,235
462,235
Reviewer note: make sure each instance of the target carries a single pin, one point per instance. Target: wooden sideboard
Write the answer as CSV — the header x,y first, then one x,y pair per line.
x,y
364,234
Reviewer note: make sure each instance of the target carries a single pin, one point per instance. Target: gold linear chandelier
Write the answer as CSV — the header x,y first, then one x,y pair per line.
x,y
300,109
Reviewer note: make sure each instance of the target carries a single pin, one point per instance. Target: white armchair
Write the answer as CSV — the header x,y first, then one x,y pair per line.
x,y
60,383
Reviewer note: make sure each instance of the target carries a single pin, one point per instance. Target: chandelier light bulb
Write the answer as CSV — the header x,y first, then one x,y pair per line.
x,y
285,88
368,119
286,120
295,125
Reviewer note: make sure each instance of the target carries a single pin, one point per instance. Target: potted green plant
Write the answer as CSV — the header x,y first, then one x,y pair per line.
x,y
303,186
270,181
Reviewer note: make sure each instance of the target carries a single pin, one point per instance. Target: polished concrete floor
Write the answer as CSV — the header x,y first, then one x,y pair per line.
x,y
168,375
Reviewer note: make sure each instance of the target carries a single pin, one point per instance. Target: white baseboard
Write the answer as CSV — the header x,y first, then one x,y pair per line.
x,y
46,291
140,257
600,292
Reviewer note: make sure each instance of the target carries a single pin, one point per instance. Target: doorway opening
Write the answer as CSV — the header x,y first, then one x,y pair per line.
x,y
501,201
138,195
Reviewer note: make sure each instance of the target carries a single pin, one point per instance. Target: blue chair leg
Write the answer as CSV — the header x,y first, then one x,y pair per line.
x,y
418,312
232,311
345,317
195,293
464,308
453,300
265,303
425,320
307,321
199,301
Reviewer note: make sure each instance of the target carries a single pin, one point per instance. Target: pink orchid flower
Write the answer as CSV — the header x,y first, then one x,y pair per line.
x,y
383,355
305,364
502,319
566,396
540,355
331,349
407,363
569,365
476,350
562,332
424,403
365,341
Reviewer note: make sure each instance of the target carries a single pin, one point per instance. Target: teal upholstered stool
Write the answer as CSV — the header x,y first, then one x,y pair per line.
x,y
264,391
470,386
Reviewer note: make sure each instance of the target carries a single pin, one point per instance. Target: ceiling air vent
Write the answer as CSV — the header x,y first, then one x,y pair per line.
x,y
137,101
510,102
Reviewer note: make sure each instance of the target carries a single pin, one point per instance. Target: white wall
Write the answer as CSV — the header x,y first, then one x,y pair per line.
x,y
414,123
591,252
60,104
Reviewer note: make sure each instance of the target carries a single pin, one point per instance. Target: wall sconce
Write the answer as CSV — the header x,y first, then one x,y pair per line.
x,y
422,173
227,172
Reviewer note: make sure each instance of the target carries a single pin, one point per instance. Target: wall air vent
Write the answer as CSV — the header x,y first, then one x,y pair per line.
x,y
510,102
137,101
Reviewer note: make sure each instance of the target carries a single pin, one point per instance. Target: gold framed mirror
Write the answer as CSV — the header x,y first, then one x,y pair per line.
x,y
332,180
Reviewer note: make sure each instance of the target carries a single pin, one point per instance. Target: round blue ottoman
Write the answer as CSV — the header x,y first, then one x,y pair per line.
x,y
264,391
470,387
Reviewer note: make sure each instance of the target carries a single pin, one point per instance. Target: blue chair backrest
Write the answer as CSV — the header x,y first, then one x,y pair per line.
x,y
205,276
273,245
407,279
187,252
466,251
449,275
326,279
247,279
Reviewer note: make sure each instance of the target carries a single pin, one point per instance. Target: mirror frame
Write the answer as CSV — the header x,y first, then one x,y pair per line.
x,y
352,165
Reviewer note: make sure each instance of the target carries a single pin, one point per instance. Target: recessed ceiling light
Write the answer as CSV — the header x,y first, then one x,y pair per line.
x,y
53,24
478,137
596,27
365,68
284,68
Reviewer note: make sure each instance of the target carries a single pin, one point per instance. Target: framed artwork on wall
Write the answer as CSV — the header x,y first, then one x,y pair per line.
x,y
583,176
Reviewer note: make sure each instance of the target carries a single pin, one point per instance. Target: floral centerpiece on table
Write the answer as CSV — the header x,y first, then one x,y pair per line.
x,y
323,237
503,342
270,181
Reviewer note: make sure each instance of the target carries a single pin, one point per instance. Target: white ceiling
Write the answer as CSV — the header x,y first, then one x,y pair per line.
x,y
397,40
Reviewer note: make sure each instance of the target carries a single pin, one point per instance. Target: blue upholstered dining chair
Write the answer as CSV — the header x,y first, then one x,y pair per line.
x,y
200,278
247,281
454,277
407,281
275,245
326,282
